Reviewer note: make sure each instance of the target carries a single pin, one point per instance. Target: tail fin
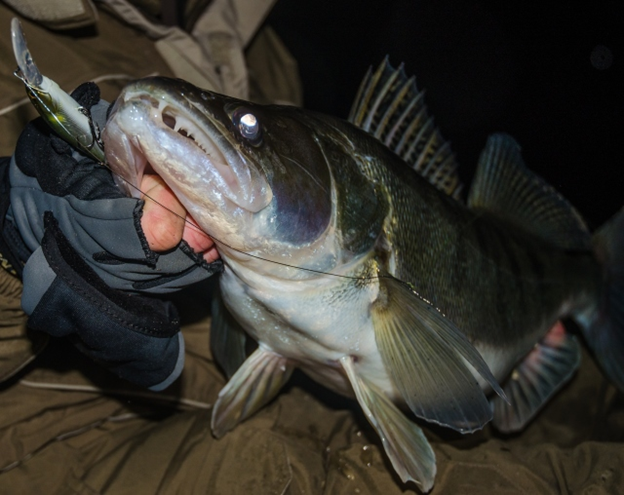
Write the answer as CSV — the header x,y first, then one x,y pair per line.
x,y
604,324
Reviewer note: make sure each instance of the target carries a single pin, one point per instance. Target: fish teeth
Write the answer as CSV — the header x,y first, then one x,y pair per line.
x,y
185,129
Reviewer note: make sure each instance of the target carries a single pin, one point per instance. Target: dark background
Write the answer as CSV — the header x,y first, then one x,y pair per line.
x,y
549,75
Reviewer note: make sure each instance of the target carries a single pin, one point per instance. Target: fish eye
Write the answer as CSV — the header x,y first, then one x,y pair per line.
x,y
248,126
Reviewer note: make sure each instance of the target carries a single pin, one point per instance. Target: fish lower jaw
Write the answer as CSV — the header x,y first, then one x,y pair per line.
x,y
134,174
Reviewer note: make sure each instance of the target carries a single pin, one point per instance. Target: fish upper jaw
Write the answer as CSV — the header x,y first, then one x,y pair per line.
x,y
210,178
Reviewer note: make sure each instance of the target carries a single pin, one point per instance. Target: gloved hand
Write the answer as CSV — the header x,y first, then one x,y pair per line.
x,y
85,257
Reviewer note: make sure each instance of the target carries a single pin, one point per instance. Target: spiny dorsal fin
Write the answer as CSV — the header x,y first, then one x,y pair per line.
x,y
390,107
504,186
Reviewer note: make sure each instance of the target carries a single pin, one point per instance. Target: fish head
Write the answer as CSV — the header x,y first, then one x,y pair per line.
x,y
252,176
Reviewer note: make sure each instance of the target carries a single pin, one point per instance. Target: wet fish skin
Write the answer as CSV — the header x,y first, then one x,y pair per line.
x,y
341,260
454,256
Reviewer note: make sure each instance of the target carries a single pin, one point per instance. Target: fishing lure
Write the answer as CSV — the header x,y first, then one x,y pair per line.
x,y
71,121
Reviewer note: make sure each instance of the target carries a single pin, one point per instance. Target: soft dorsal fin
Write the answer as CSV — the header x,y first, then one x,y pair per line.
x,y
390,107
505,187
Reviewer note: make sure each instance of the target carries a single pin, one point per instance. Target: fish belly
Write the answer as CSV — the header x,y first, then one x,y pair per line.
x,y
313,324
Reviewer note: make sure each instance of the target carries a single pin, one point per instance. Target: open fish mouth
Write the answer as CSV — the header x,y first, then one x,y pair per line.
x,y
183,135
147,137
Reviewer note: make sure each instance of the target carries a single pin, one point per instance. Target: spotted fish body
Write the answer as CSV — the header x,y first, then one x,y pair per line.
x,y
349,254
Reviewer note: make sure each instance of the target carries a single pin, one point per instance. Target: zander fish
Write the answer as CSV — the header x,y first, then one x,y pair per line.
x,y
349,254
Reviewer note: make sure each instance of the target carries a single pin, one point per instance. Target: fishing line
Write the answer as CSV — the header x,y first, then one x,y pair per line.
x,y
197,229
469,244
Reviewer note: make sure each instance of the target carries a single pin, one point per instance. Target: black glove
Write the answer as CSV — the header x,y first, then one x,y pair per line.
x,y
85,257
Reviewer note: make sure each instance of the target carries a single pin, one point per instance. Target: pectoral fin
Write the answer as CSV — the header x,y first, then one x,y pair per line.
x,y
227,338
426,355
254,384
404,442
545,370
